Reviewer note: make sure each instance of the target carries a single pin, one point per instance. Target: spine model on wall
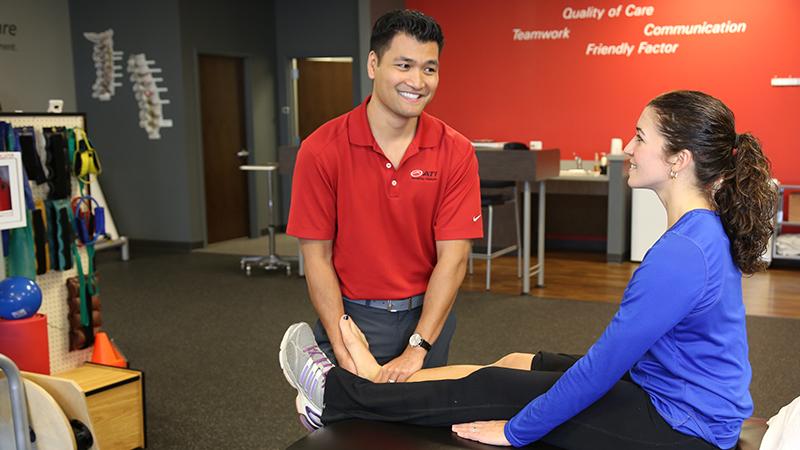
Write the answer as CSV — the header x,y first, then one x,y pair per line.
x,y
105,59
148,95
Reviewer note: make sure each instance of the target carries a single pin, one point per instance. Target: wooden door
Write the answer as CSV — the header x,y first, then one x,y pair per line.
x,y
223,121
324,91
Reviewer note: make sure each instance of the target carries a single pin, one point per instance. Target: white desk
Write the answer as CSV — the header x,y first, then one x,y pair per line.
x,y
527,167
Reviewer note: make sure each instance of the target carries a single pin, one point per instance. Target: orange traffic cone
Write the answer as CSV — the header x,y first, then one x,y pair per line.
x,y
105,353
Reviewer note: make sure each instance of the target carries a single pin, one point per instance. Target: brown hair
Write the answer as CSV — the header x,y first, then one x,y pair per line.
x,y
731,168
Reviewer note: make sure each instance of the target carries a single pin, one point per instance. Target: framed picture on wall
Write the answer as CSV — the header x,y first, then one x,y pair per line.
x,y
12,194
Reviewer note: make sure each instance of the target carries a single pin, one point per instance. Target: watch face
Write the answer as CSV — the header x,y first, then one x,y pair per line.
x,y
415,340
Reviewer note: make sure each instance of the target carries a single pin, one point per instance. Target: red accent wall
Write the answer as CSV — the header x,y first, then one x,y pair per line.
x,y
493,87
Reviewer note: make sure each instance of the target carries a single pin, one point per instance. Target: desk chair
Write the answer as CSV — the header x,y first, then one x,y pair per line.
x,y
490,199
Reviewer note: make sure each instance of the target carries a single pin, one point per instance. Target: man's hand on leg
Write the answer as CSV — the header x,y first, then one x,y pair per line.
x,y
402,367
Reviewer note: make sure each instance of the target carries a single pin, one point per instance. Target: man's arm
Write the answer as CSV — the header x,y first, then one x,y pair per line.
x,y
326,294
451,265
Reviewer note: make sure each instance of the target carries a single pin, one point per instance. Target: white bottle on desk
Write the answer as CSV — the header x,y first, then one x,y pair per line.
x,y
603,164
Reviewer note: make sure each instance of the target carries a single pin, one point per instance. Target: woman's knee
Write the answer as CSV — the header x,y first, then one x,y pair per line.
x,y
520,361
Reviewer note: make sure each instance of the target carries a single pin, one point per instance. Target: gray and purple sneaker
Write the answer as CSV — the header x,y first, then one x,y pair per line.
x,y
305,367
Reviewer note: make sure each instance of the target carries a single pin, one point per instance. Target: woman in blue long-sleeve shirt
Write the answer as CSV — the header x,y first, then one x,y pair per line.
x,y
671,370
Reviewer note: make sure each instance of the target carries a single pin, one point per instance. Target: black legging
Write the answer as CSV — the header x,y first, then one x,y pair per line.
x,y
624,418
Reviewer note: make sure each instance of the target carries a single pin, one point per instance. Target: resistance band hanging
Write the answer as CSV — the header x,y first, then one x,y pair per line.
x,y
39,217
30,155
58,163
85,161
14,146
87,287
89,226
60,234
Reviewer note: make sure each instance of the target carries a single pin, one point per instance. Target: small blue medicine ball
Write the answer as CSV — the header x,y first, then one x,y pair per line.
x,y
20,298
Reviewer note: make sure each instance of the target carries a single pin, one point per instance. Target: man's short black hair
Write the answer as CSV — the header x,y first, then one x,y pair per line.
x,y
411,22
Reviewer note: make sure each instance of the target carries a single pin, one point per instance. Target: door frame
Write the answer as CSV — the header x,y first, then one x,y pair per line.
x,y
197,153
292,123
291,84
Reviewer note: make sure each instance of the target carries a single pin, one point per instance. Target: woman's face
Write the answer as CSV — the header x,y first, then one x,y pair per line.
x,y
649,166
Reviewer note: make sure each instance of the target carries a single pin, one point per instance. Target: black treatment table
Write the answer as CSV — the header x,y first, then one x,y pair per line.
x,y
370,435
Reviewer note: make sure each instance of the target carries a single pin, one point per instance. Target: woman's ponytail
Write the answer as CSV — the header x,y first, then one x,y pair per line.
x,y
745,200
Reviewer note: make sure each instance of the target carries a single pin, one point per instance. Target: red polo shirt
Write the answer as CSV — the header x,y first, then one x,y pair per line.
x,y
384,221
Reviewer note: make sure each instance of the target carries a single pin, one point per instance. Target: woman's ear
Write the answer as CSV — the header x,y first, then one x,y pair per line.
x,y
682,160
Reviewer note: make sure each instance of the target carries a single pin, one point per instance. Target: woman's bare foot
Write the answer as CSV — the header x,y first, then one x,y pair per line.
x,y
358,347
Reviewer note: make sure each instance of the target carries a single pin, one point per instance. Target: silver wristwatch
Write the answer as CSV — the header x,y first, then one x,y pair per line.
x,y
416,341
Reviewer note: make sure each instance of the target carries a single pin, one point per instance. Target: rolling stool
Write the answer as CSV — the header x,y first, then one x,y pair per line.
x,y
271,261
489,201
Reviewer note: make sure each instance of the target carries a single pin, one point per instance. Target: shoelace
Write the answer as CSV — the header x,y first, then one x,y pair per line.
x,y
315,370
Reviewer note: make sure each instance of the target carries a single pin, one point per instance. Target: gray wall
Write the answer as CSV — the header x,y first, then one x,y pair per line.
x,y
146,182
306,29
368,13
36,62
155,187
322,28
243,29
314,28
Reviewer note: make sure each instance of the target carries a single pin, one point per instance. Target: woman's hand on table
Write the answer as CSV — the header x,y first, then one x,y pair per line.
x,y
489,432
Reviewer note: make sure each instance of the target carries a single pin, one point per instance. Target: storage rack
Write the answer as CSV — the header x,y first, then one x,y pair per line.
x,y
780,223
53,283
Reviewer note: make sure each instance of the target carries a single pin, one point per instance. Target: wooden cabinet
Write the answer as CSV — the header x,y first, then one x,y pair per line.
x,y
115,399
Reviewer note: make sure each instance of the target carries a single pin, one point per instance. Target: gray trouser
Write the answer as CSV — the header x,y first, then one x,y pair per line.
x,y
388,332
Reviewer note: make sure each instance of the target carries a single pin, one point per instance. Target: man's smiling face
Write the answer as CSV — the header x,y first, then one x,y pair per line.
x,y
405,76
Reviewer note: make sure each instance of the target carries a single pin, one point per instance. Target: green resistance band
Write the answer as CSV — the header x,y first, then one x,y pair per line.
x,y
86,282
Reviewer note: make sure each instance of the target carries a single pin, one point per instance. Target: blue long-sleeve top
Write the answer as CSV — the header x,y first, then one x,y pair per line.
x,y
680,331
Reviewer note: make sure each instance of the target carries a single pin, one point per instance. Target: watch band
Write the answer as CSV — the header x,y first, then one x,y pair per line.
x,y
425,344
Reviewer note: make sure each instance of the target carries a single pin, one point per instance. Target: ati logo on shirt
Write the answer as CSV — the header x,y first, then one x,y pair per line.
x,y
425,175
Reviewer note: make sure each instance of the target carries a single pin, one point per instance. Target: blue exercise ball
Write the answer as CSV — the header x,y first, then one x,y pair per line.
x,y
20,298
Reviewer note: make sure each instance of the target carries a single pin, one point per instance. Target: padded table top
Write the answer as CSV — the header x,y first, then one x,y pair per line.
x,y
370,435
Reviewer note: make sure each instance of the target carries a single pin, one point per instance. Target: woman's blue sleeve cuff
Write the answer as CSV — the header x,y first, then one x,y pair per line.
x,y
510,435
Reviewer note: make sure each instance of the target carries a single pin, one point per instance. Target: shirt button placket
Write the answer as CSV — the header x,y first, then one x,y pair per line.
x,y
391,178
393,192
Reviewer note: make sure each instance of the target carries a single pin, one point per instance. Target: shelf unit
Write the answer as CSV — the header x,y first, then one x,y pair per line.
x,y
53,283
780,223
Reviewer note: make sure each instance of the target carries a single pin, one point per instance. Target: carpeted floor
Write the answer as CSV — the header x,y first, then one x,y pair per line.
x,y
207,339
285,246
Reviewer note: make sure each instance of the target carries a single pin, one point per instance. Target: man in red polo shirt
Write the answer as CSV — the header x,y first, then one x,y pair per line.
x,y
385,200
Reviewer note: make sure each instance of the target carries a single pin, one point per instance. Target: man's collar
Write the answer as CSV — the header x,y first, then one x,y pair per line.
x,y
428,134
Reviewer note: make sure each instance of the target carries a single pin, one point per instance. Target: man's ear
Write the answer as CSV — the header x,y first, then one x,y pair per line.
x,y
372,64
